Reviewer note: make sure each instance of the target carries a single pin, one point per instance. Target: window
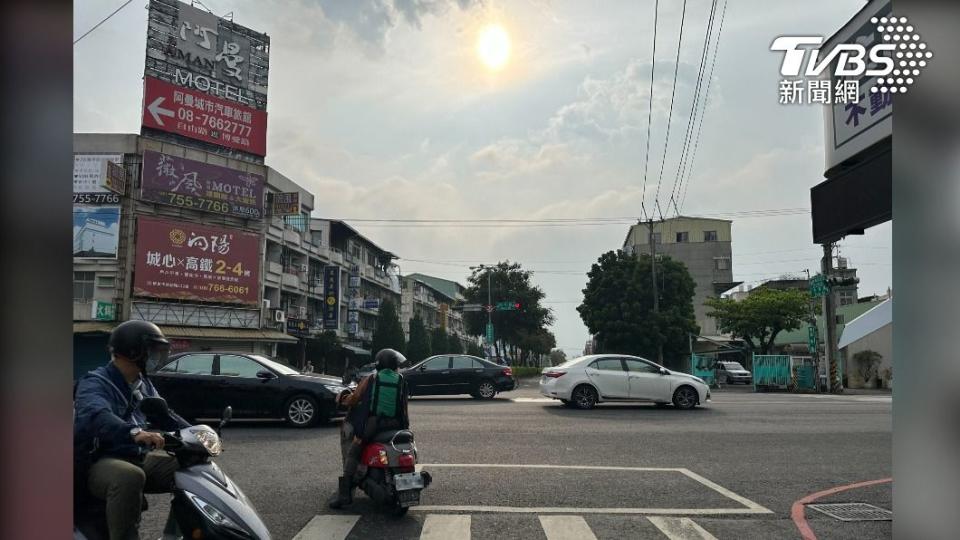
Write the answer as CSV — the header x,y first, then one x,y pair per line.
x,y
106,282
607,364
83,285
437,364
238,366
463,362
721,263
192,364
683,237
637,366
709,236
657,238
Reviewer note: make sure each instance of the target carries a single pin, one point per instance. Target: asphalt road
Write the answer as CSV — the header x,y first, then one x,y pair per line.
x,y
732,469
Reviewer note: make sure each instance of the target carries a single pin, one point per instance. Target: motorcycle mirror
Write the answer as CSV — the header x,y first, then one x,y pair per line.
x,y
227,415
154,407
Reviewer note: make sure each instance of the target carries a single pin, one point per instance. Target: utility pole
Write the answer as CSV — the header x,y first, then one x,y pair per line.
x,y
830,322
814,351
656,292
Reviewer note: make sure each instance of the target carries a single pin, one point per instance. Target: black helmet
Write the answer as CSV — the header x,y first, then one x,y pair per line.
x,y
389,359
142,342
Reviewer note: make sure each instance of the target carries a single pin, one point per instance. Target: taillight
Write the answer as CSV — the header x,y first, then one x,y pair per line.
x,y
508,372
554,374
406,460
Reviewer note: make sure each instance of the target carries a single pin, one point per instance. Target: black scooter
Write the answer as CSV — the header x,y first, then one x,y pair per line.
x,y
205,502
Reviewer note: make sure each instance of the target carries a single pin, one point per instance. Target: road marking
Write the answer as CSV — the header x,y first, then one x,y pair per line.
x,y
437,527
327,527
566,528
798,510
532,400
749,507
681,528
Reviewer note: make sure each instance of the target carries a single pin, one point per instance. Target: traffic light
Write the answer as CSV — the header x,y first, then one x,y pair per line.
x,y
516,306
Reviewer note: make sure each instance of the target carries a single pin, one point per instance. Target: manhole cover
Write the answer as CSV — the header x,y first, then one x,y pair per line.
x,y
853,511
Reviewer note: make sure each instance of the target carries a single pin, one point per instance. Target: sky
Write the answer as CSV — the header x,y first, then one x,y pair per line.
x,y
385,110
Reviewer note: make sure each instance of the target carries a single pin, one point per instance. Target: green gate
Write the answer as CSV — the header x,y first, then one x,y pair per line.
x,y
771,372
703,367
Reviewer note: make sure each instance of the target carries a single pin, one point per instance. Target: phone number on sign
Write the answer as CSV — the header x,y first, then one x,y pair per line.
x,y
232,289
214,122
187,201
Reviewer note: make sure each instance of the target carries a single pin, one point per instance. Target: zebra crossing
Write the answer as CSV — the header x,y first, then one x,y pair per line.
x,y
458,527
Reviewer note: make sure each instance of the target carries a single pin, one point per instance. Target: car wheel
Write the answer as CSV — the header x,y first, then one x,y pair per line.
x,y
685,397
301,411
584,397
486,390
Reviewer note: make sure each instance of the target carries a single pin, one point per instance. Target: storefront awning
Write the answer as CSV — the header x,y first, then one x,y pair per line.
x,y
193,332
356,350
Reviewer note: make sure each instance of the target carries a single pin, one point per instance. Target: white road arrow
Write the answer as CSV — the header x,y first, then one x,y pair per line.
x,y
157,111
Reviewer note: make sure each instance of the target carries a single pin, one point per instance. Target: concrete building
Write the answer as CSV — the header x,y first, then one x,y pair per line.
x,y
871,331
432,299
703,245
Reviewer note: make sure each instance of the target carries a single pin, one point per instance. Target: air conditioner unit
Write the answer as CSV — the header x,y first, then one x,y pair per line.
x,y
841,262
303,312
266,303
304,267
279,316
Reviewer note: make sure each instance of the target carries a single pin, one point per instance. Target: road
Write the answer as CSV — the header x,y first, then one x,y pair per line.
x,y
520,467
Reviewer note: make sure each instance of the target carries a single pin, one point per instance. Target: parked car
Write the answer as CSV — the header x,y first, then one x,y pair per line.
x,y
201,384
585,381
451,374
732,373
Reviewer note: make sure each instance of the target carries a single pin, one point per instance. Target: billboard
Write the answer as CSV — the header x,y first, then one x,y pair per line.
x,y
96,232
193,48
187,183
193,114
285,204
188,261
331,300
94,181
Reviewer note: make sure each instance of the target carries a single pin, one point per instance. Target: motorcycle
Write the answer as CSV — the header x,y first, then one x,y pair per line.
x,y
388,473
205,502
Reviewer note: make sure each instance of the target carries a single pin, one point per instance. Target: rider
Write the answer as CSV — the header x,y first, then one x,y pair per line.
x,y
111,450
378,404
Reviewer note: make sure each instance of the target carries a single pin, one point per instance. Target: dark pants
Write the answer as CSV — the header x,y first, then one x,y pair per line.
x,y
121,484
350,450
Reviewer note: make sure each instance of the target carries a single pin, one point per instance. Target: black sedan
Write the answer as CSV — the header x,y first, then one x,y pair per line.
x,y
201,384
458,374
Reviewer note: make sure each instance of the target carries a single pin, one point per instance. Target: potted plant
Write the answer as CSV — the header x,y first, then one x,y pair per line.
x,y
888,378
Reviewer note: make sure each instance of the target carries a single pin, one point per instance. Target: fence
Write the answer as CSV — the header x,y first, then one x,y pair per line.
x,y
782,372
703,367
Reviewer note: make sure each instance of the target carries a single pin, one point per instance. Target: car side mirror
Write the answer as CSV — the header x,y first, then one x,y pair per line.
x,y
423,368
664,371
265,375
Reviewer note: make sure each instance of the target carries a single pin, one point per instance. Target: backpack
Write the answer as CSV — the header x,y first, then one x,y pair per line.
x,y
385,402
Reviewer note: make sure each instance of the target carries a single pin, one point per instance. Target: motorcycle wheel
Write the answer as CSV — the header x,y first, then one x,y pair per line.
x,y
397,510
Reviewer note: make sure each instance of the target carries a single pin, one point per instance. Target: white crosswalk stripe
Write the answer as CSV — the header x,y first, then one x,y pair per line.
x,y
566,528
680,528
327,527
444,527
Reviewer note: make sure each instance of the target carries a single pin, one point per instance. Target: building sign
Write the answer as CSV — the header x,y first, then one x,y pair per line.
x,y
91,176
353,328
285,204
193,114
353,316
331,297
354,282
201,186
371,303
96,232
115,177
103,311
298,327
188,261
194,48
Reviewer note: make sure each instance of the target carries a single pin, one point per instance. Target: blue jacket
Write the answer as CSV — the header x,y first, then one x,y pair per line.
x,y
103,416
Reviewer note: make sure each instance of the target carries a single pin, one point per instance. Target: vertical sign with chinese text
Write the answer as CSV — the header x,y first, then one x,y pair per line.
x,y
331,300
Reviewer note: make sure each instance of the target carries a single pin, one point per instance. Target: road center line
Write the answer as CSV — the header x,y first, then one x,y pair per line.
x,y
327,527
566,528
440,527
681,528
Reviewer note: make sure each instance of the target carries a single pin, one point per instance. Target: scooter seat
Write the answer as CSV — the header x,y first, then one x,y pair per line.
x,y
397,436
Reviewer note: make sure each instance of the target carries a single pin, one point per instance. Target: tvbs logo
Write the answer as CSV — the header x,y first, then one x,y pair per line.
x,y
895,59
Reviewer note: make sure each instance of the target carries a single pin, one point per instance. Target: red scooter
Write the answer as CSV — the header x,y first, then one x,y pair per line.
x,y
387,471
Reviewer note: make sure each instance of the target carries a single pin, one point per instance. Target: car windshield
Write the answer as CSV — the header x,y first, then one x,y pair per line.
x,y
282,369
732,365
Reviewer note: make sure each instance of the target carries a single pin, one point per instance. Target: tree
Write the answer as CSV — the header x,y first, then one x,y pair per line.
x,y
323,346
388,333
508,283
454,345
418,347
438,341
867,364
758,318
618,306
557,357
475,350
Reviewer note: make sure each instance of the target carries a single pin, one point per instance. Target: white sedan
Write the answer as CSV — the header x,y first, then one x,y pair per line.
x,y
585,381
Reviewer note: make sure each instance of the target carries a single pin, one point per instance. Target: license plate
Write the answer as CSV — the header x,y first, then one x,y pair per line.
x,y
408,498
408,481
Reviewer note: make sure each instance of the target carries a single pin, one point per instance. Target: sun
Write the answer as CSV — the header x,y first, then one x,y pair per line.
x,y
493,47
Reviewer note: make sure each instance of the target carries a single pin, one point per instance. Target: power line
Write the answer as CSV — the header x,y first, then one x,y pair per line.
x,y
706,97
673,93
691,118
653,67
125,4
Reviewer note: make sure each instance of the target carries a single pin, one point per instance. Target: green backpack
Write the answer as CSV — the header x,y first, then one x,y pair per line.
x,y
386,394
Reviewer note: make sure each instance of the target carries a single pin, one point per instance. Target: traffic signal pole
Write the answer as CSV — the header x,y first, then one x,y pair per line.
x,y
656,293
834,384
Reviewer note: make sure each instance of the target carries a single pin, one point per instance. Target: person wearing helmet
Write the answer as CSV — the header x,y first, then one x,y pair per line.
x,y
112,457
378,404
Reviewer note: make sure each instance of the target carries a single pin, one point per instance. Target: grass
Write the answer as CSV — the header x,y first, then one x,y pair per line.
x,y
525,371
